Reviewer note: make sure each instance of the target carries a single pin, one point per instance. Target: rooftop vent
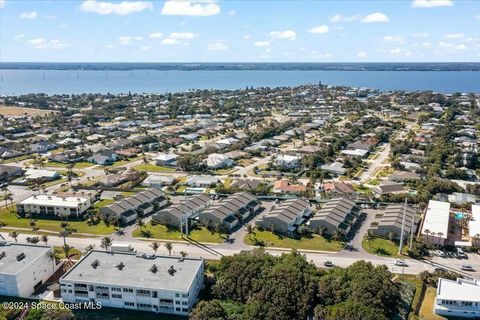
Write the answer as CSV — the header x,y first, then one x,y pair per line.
x,y
171,271
148,256
154,268
95,264
20,256
120,266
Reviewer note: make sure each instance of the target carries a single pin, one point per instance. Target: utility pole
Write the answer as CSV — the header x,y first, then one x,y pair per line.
x,y
403,226
411,229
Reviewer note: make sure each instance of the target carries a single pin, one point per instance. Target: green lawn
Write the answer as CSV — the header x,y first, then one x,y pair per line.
x,y
78,165
161,232
268,239
382,247
13,221
122,162
103,203
153,168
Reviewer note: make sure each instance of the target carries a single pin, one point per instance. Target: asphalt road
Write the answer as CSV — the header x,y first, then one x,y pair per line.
x,y
342,258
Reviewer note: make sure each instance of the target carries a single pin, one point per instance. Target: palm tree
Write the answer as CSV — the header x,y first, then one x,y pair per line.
x,y
169,247
427,232
155,245
249,229
338,235
66,249
14,235
183,254
140,222
44,238
88,249
64,233
369,236
106,243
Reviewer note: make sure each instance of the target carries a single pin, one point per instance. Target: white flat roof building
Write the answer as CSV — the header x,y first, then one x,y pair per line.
x,y
459,298
163,284
54,205
24,268
435,222
474,223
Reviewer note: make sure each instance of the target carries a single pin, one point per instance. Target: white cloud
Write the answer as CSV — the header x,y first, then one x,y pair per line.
x,y
29,15
477,16
145,48
155,35
362,54
232,12
394,39
400,51
128,39
460,47
246,36
261,44
19,36
420,34
182,35
431,3
2,3
120,8
320,29
340,18
41,43
454,35
169,41
179,38
287,34
202,8
375,17
217,46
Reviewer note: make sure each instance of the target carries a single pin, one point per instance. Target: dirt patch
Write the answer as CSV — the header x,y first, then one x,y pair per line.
x,y
19,111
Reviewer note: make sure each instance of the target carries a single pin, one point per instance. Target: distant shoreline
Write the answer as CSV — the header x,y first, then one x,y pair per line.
x,y
244,66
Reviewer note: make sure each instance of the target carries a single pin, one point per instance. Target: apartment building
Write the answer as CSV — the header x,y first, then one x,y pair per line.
x,y
47,204
163,284
144,202
459,298
337,214
230,211
286,216
24,268
177,214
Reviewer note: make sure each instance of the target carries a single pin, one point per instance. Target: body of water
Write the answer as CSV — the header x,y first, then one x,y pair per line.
x,y
22,81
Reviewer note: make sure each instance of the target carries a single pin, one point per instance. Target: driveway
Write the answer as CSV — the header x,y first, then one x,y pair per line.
x,y
376,163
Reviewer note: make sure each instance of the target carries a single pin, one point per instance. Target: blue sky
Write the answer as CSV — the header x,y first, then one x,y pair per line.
x,y
240,31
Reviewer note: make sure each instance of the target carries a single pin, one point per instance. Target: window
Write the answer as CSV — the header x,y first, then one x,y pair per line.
x,y
177,302
127,290
116,296
116,289
185,295
185,309
185,303
177,309
130,304
177,295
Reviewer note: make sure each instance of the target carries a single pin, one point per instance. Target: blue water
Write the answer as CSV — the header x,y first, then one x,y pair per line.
x,y
459,215
19,81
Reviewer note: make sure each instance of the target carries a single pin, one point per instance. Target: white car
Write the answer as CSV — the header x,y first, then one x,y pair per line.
x,y
467,268
400,263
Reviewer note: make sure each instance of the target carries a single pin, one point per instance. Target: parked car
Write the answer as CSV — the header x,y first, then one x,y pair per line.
x,y
400,263
467,267
461,253
438,269
328,264
441,254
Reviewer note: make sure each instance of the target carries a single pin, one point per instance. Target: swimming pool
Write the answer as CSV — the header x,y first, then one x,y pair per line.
x,y
459,215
